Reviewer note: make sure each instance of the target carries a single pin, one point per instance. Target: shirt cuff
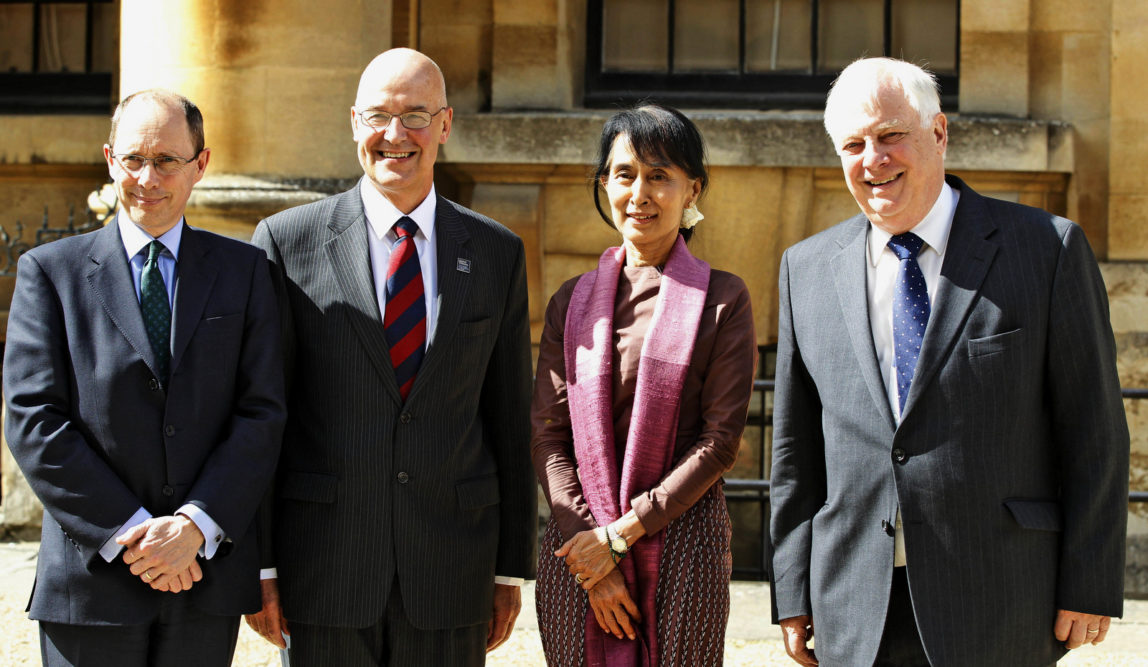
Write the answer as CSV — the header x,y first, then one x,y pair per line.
x,y
268,573
111,548
213,535
509,581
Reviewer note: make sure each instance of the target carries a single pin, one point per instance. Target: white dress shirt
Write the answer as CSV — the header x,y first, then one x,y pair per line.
x,y
881,279
135,242
381,218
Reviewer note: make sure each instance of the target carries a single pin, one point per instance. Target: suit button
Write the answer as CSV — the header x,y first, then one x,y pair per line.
x,y
405,417
168,491
169,430
900,455
403,478
153,384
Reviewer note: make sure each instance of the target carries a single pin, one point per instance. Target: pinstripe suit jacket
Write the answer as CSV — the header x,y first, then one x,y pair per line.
x,y
1013,483
438,491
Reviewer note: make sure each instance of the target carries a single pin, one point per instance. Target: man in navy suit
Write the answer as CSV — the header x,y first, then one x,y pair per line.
x,y
405,504
145,401
950,452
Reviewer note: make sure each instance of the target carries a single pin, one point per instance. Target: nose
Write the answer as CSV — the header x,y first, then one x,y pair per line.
x,y
874,155
394,129
639,191
147,174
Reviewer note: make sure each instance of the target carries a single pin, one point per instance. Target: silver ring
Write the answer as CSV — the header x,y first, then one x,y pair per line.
x,y
577,578
1093,632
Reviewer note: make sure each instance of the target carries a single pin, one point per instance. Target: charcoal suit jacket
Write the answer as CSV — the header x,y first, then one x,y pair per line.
x,y
1010,465
98,435
437,492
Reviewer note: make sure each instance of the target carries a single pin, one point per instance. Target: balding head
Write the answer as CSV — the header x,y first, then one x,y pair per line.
x,y
407,65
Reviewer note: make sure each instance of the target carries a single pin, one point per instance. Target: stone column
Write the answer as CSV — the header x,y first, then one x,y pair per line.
x,y
275,82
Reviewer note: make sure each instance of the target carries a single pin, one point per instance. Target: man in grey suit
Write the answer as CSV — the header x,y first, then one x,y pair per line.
x,y
950,453
146,404
405,512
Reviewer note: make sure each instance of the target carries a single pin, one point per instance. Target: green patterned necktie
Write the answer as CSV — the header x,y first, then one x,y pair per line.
x,y
156,310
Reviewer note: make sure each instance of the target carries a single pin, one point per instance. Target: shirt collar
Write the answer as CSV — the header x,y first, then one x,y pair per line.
x,y
382,214
134,238
933,229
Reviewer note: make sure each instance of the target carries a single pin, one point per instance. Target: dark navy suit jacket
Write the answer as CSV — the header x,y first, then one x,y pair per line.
x,y
98,436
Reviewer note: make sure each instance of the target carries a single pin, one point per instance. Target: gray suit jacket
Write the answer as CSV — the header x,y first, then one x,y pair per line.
x,y
1010,465
98,437
438,491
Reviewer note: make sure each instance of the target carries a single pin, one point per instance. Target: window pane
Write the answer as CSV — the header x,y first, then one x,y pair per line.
x,y
105,28
925,32
16,38
777,36
635,35
63,36
848,30
705,35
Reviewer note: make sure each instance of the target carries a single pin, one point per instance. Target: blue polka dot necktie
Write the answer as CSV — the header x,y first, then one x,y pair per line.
x,y
156,310
405,315
910,311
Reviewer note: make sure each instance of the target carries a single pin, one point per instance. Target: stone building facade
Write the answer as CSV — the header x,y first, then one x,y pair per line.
x,y
1045,108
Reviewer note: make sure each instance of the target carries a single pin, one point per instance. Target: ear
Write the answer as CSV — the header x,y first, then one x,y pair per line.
x,y
448,119
111,161
941,132
354,126
201,163
697,188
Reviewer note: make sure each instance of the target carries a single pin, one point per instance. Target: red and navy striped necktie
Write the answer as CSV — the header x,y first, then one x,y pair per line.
x,y
405,318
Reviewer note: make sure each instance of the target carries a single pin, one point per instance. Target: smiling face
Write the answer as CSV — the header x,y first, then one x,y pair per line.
x,y
646,203
893,166
398,161
152,128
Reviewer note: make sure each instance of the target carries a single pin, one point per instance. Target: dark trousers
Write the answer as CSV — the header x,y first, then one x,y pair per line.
x,y
179,635
901,642
391,642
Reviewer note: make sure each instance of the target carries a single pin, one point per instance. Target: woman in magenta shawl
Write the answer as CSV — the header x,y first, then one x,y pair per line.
x,y
645,371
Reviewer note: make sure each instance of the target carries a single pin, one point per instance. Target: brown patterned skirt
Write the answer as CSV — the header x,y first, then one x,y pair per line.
x,y
692,599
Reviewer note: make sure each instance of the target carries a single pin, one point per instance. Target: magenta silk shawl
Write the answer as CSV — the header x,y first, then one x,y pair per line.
x,y
589,352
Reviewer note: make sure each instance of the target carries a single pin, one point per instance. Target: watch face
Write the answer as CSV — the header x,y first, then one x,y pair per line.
x,y
618,544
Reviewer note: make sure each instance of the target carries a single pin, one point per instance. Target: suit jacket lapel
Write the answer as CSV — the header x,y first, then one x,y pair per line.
x,y
351,262
111,281
968,256
849,275
451,237
195,277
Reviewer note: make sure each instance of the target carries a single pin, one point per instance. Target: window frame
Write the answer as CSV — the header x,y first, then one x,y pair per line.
x,y
37,92
726,89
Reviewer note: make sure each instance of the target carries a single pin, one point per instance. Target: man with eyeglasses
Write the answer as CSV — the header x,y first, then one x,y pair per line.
x,y
144,386
405,506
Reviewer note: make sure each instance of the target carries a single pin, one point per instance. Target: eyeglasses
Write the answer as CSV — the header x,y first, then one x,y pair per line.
x,y
165,165
412,120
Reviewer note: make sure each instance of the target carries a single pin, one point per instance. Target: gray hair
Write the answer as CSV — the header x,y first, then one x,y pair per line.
x,y
862,80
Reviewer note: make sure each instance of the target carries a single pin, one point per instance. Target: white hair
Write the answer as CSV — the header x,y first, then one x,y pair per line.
x,y
863,79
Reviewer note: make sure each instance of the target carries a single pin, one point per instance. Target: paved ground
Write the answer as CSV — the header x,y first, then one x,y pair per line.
x,y
750,640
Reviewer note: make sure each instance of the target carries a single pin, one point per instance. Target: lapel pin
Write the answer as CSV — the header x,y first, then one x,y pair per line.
x,y
463,265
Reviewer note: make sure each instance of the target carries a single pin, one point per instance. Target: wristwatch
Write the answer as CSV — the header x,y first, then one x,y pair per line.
x,y
618,546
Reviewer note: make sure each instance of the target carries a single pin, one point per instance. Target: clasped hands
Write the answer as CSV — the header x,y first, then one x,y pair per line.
x,y
588,557
161,552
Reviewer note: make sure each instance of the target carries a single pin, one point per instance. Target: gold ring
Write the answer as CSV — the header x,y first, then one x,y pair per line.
x,y
147,575
577,578
1093,632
